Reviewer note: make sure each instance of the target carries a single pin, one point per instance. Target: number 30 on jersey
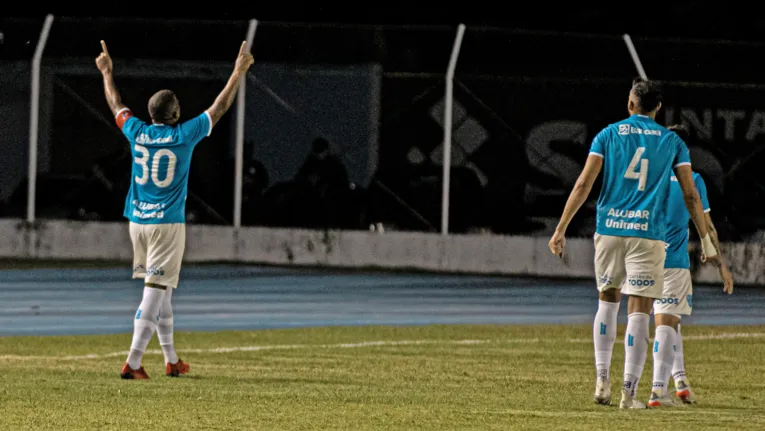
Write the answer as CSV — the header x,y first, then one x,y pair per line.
x,y
642,174
153,170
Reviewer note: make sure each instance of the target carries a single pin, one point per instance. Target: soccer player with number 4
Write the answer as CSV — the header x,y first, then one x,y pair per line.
x,y
156,202
637,156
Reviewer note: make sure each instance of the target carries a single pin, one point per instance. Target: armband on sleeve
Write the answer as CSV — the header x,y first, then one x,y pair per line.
x,y
123,116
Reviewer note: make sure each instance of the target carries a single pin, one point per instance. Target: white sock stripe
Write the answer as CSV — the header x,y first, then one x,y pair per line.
x,y
609,305
707,337
145,323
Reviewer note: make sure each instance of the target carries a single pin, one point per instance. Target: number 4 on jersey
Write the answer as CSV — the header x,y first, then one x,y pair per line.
x,y
641,175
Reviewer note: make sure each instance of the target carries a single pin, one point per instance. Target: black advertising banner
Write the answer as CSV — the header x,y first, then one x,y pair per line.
x,y
524,142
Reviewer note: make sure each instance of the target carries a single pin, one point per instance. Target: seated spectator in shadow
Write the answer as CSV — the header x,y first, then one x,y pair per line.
x,y
254,182
323,169
322,186
320,195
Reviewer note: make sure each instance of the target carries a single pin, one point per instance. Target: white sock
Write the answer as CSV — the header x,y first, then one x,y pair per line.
x,y
663,358
678,367
144,325
635,341
165,329
603,335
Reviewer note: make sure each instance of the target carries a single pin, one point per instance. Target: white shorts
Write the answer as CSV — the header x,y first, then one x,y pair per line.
x,y
158,252
678,293
633,265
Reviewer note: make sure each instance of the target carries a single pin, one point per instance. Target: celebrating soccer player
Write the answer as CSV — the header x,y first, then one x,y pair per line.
x,y
156,202
637,156
678,291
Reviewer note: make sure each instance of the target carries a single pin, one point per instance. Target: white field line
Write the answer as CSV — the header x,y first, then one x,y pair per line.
x,y
723,336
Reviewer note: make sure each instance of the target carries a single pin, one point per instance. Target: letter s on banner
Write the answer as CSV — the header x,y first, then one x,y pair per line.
x,y
543,158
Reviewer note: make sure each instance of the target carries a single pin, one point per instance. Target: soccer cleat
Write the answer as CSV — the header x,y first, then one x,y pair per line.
x,y
131,374
684,392
630,402
176,369
602,392
657,400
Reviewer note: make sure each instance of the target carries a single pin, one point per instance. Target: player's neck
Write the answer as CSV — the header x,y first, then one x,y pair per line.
x,y
651,115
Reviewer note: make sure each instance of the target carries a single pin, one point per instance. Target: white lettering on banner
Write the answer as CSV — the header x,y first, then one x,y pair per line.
x,y
732,121
145,139
730,117
756,127
542,156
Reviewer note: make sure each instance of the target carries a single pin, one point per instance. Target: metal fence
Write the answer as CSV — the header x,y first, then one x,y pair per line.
x,y
524,108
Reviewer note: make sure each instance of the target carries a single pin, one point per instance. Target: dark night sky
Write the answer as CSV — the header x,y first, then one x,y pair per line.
x,y
698,19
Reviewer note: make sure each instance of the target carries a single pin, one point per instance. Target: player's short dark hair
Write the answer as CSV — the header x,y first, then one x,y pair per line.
x,y
163,106
681,131
648,93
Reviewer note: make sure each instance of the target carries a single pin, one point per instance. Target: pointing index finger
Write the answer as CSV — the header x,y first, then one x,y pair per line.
x,y
103,47
243,48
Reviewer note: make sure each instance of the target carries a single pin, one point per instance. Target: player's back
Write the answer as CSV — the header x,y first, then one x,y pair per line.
x,y
678,219
161,164
639,156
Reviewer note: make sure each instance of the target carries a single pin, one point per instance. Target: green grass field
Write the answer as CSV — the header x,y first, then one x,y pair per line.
x,y
432,378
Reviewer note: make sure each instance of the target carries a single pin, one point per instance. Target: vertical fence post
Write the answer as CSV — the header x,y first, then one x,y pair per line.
x,y
239,152
448,112
34,119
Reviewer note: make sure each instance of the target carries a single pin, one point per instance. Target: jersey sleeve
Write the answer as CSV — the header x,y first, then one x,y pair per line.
x,y
682,156
702,189
127,123
598,147
197,128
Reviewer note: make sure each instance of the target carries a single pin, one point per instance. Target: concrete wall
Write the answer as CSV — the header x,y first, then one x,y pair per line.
x,y
479,254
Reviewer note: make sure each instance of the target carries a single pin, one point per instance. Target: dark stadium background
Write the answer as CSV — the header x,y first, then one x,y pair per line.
x,y
568,60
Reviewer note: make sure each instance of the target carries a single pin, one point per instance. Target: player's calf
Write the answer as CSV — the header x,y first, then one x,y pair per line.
x,y
604,334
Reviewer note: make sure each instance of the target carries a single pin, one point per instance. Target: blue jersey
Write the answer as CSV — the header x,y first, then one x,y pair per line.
x,y
677,223
161,161
638,158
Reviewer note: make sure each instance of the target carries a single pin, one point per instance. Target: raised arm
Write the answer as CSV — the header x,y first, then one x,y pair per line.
x,y
226,97
104,64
